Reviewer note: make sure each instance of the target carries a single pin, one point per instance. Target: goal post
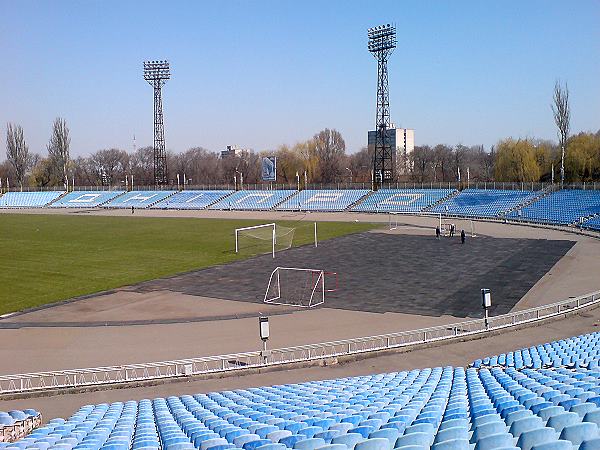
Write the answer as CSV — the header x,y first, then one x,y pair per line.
x,y
292,286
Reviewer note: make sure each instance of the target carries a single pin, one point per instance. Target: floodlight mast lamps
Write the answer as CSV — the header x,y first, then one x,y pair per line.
x,y
156,73
382,42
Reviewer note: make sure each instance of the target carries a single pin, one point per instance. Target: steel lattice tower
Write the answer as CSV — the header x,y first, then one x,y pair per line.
x,y
382,42
156,73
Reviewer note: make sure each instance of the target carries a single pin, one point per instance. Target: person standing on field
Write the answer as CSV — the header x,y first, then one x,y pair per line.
x,y
462,236
437,232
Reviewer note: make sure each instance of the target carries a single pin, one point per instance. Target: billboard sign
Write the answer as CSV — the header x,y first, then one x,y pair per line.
x,y
269,168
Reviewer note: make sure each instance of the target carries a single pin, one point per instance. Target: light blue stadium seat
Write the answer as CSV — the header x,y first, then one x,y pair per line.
x,y
349,439
579,432
310,444
556,445
494,441
374,444
454,444
421,439
530,439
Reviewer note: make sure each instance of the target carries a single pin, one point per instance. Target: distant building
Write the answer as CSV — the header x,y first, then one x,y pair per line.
x,y
233,151
402,141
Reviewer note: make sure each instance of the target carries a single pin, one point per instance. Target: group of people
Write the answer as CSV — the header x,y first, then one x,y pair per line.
x,y
463,236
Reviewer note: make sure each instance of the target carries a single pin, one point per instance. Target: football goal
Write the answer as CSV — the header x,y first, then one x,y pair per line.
x,y
395,218
266,238
304,288
437,220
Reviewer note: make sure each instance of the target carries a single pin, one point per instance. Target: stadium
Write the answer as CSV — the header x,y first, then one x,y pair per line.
x,y
395,297
178,361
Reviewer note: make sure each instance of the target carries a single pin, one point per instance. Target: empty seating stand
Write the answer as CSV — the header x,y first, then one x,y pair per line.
x,y
192,199
484,202
409,200
439,408
259,200
28,199
561,207
578,351
85,199
138,199
323,200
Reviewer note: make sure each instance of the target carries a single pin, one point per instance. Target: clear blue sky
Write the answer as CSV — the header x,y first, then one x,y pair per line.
x,y
259,74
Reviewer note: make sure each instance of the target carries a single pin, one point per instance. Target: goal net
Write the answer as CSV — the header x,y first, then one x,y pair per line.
x,y
267,238
396,218
305,288
395,221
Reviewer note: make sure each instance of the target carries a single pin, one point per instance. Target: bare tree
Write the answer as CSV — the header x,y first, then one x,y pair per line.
x,y
17,152
329,148
562,118
58,148
111,165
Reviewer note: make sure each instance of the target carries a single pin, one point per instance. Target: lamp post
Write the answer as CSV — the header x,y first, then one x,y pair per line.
x,y
350,174
156,73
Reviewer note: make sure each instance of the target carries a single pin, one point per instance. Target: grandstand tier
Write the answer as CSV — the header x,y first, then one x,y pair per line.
x,y
409,200
579,351
85,199
561,207
439,408
484,203
192,199
138,199
323,200
253,200
28,199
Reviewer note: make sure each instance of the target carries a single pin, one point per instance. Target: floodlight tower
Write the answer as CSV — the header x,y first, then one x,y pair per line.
x,y
156,73
382,42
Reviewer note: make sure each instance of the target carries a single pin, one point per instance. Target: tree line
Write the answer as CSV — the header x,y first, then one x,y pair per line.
x,y
319,159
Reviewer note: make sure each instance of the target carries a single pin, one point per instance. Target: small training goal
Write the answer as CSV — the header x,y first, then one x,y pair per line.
x,y
305,288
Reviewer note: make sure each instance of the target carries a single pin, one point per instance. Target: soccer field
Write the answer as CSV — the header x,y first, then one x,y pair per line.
x,y
48,258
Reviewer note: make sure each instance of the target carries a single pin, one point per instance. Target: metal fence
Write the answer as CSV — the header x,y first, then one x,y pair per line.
x,y
97,376
519,186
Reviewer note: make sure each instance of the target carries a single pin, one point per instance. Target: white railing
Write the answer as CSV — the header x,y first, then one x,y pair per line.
x,y
97,376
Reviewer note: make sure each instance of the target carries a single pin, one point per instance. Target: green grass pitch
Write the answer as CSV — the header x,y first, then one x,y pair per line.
x,y
48,258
